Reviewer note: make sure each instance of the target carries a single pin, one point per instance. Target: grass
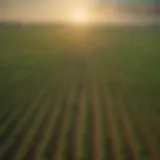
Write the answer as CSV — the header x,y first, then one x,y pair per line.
x,y
41,64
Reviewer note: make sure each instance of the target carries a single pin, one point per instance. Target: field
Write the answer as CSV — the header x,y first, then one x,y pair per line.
x,y
79,93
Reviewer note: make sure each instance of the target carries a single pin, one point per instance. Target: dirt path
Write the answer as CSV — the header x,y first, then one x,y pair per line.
x,y
47,134
31,133
42,130
114,143
145,133
126,125
80,127
96,128
57,153
14,138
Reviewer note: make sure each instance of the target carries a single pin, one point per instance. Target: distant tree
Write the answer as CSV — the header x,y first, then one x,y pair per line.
x,y
157,7
156,11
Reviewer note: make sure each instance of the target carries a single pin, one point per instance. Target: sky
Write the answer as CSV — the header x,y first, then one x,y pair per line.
x,y
48,9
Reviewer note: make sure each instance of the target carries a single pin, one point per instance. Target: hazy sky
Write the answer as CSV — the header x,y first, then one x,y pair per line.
x,y
47,9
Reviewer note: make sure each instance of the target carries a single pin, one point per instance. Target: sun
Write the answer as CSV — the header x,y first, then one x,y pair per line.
x,y
79,16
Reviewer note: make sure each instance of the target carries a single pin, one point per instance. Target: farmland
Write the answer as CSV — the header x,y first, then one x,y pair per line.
x,y
79,93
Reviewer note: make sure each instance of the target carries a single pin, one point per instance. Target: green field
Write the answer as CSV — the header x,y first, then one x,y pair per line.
x,y
79,93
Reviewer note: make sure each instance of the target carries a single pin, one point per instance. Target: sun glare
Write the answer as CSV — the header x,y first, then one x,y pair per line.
x,y
79,16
